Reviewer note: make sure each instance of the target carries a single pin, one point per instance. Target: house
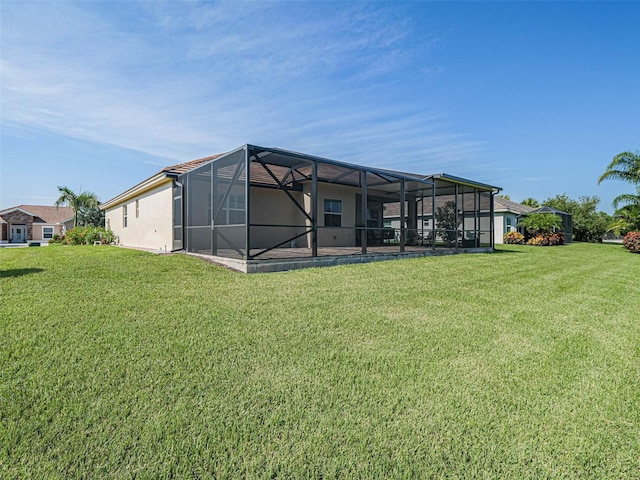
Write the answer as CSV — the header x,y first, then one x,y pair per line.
x,y
267,209
34,223
507,215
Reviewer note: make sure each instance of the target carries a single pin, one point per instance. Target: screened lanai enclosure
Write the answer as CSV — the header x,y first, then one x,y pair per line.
x,y
280,209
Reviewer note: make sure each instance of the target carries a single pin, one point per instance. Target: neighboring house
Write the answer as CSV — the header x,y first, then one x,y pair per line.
x,y
267,209
34,223
507,215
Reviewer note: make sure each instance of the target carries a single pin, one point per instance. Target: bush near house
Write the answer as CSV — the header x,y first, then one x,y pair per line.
x,y
631,242
547,240
513,238
88,235
540,229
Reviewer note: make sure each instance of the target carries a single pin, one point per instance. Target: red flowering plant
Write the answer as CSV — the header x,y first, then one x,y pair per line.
x,y
631,242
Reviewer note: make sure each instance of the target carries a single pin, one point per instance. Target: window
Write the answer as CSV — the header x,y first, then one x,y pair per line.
x,y
137,208
47,232
332,213
124,216
233,212
508,225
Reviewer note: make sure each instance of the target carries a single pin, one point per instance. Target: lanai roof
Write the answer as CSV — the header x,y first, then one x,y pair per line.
x,y
290,167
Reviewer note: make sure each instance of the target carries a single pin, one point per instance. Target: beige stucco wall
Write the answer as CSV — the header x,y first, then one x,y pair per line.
x,y
37,231
270,206
153,227
335,237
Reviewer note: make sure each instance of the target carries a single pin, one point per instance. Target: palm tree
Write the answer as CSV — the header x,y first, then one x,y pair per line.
x,y
625,166
626,219
76,201
628,198
530,202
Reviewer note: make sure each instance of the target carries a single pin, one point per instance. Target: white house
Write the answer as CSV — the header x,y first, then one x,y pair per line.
x,y
506,216
266,209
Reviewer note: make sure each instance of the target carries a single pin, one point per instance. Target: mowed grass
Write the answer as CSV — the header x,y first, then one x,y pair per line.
x,y
524,363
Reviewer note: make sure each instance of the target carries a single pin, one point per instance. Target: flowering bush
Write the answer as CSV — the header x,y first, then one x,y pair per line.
x,y
513,237
631,242
88,235
546,240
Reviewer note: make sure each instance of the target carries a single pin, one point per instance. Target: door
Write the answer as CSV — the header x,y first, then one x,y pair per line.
x,y
18,234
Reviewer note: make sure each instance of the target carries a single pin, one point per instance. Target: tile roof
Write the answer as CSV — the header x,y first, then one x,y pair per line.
x,y
502,204
46,213
190,165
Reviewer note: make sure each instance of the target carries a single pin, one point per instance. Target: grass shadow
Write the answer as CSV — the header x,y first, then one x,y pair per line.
x,y
19,272
506,250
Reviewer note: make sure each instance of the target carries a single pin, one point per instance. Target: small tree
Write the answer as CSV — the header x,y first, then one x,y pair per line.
x,y
540,229
541,223
90,216
446,221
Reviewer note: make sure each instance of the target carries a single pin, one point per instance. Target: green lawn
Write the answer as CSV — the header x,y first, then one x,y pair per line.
x,y
520,364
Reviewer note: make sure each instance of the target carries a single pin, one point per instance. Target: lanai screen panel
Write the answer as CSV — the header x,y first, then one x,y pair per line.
x,y
197,185
280,213
215,207
486,215
229,209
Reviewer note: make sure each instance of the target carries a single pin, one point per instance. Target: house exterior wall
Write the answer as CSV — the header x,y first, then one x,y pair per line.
x,y
148,227
270,206
37,231
20,218
501,227
498,228
345,236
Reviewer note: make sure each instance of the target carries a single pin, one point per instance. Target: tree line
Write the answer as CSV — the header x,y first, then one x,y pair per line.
x,y
589,224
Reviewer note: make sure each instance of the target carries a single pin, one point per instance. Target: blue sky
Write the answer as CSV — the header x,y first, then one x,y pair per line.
x,y
533,97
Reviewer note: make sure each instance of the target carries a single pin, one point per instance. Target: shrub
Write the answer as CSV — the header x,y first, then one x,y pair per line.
x,y
537,241
546,240
513,237
88,235
556,239
631,242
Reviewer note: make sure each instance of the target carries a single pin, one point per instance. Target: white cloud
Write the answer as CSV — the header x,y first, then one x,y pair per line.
x,y
186,80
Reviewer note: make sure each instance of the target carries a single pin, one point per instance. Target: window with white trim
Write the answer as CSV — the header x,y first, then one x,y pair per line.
x,y
137,208
508,224
233,212
47,232
124,216
332,213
